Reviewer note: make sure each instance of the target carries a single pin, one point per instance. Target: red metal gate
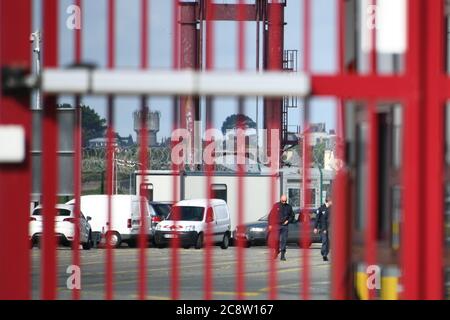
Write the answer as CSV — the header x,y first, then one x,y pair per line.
x,y
422,88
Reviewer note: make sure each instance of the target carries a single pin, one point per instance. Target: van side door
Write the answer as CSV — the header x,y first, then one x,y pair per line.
x,y
221,225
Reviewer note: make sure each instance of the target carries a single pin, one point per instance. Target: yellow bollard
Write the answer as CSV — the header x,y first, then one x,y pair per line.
x,y
389,283
362,291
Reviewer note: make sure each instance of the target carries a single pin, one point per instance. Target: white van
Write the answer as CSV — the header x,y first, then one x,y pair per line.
x,y
191,225
124,208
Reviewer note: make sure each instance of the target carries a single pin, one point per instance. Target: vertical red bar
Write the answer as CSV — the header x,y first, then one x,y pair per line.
x,y
307,36
433,279
175,168
240,267
273,109
77,163
340,230
143,157
412,169
372,196
49,156
208,283
373,47
143,237
304,229
109,294
372,156
15,179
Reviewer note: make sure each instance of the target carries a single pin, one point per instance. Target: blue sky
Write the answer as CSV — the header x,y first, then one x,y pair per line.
x,y
225,47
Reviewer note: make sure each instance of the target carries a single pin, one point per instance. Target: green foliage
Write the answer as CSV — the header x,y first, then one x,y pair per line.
x,y
93,126
318,154
231,122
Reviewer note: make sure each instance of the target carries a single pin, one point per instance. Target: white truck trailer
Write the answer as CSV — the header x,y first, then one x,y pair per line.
x,y
164,185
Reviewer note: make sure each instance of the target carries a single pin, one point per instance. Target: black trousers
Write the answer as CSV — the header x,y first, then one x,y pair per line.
x,y
283,238
325,243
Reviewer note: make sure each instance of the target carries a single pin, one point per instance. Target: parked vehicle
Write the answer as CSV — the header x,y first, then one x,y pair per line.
x,y
192,223
64,226
257,233
158,212
124,208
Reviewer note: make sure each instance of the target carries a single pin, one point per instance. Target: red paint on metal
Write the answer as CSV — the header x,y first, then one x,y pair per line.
x,y
229,12
190,43
341,268
49,157
273,55
175,292
412,173
372,156
395,86
110,158
208,281
77,163
340,230
240,267
143,157
433,273
373,48
305,227
372,196
15,23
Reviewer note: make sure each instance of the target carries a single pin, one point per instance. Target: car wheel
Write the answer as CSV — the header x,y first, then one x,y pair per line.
x,y
88,244
114,239
199,243
226,241
186,247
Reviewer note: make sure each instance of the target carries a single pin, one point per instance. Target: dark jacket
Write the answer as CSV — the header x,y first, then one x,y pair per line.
x,y
282,212
322,217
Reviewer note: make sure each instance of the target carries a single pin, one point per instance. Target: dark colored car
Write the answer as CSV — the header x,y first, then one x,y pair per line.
x,y
256,233
159,212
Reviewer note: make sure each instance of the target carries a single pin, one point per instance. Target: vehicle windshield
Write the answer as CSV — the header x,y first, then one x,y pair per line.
x,y
264,218
186,213
161,209
59,212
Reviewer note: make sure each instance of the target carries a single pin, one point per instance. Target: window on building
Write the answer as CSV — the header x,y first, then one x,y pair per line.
x,y
219,191
147,191
294,197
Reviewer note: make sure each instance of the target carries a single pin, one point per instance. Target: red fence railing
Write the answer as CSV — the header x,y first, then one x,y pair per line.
x,y
422,89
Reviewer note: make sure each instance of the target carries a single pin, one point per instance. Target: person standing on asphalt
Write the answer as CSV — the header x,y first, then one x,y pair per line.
x,y
321,226
279,218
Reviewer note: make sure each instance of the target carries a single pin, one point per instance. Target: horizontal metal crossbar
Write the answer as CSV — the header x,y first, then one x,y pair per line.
x,y
182,83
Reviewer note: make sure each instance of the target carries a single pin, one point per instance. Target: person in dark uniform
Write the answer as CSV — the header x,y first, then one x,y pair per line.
x,y
321,226
279,218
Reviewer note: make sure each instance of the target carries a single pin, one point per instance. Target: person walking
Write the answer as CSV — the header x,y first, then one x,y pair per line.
x,y
279,218
322,225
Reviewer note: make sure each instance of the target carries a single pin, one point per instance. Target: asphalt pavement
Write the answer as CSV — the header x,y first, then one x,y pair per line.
x,y
191,273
